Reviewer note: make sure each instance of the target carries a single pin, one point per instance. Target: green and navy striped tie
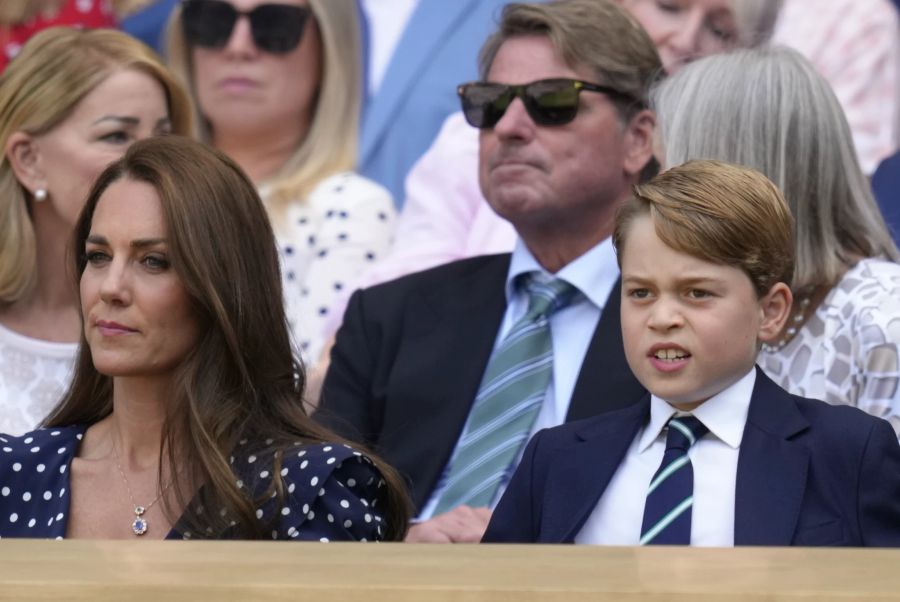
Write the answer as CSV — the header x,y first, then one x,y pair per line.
x,y
670,498
508,401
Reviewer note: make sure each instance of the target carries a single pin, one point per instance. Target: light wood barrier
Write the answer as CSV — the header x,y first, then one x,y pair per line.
x,y
224,571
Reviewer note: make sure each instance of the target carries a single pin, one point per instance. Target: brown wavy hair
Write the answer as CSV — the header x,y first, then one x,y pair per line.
x,y
718,212
241,380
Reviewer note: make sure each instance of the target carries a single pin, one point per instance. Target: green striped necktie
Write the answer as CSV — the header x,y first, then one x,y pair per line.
x,y
670,498
508,401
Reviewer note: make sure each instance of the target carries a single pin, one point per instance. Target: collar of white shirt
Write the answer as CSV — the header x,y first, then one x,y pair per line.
x,y
724,414
594,273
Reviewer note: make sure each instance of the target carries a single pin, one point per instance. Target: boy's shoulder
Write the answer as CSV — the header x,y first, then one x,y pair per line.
x,y
841,430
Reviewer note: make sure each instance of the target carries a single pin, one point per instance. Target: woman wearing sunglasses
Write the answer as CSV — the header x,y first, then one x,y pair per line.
x,y
277,86
70,104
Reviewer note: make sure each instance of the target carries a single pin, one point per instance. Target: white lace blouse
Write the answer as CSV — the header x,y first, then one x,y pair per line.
x,y
848,352
34,374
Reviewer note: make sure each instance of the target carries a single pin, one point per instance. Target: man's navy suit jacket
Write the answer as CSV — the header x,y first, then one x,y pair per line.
x,y
809,474
409,359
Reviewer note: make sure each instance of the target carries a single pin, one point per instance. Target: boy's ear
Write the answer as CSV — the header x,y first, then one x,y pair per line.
x,y
639,142
776,309
24,159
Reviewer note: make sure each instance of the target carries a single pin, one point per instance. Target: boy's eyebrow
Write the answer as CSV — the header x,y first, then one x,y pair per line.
x,y
686,280
139,243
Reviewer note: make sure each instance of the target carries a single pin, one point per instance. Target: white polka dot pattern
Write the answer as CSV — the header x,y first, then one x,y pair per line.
x,y
34,498
326,242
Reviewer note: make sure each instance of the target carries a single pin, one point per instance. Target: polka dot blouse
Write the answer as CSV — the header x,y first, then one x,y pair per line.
x,y
333,491
325,243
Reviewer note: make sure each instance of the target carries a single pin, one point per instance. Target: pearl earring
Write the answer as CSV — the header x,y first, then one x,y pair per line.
x,y
40,195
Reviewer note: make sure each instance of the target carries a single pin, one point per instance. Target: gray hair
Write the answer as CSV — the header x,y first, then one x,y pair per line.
x,y
755,20
768,109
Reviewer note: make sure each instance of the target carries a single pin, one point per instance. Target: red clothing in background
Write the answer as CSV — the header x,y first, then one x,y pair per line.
x,y
77,13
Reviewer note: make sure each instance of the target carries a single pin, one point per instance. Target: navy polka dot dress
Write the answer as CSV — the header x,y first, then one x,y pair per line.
x,y
333,492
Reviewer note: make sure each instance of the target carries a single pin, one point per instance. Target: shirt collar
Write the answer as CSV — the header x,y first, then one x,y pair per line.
x,y
594,273
724,414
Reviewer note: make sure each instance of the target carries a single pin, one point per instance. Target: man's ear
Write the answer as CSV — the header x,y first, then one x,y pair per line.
x,y
638,142
776,309
24,159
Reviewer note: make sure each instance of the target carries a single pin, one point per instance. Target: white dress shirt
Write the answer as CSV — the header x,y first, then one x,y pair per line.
x,y
594,274
617,518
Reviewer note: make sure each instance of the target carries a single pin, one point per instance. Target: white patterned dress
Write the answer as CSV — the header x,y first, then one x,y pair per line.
x,y
326,241
34,374
848,352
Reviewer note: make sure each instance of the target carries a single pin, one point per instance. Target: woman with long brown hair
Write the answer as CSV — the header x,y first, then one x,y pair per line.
x,y
184,418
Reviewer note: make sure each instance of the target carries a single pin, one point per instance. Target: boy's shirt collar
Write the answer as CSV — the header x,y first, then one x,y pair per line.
x,y
724,414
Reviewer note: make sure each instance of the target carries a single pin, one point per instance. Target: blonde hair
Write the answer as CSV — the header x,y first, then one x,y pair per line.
x,y
330,145
768,109
720,213
55,70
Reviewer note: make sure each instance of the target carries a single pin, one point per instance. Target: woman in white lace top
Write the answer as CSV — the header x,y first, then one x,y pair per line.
x,y
769,109
70,103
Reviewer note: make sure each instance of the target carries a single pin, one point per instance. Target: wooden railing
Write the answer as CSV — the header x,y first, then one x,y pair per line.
x,y
225,571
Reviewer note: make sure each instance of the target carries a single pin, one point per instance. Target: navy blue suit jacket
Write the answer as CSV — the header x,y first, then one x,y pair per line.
x,y
809,474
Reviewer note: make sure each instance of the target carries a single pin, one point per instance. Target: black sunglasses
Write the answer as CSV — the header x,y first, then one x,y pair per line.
x,y
548,101
276,28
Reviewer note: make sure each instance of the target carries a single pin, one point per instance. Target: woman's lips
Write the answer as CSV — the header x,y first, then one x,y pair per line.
x,y
113,328
238,84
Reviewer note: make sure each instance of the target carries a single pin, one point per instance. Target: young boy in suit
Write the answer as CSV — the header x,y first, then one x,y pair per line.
x,y
717,454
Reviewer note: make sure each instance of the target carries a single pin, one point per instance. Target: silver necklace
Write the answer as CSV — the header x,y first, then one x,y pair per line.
x,y
139,525
796,321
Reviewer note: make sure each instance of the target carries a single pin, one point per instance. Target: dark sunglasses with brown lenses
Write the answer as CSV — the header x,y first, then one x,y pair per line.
x,y
547,101
276,28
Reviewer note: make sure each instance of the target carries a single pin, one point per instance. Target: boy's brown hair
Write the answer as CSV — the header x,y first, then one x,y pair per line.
x,y
717,212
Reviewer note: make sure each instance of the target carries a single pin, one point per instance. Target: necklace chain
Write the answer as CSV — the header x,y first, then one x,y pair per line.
x,y
140,525
796,322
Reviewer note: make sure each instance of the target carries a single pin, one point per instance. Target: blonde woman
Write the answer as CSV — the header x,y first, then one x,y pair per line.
x,y
70,104
277,88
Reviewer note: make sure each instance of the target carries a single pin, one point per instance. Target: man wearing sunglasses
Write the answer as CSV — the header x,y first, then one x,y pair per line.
x,y
447,372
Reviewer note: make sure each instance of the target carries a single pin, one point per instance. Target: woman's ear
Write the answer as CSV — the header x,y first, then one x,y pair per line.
x,y
24,159
776,309
639,142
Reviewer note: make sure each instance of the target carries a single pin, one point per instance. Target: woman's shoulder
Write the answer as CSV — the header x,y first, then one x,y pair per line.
x,y
351,187
322,461
866,301
40,444
869,283
332,492
34,469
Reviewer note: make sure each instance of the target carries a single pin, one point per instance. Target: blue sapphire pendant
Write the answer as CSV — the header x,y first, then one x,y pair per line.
x,y
139,526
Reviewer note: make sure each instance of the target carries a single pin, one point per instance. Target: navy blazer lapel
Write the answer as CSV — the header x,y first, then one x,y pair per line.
x,y
578,475
422,37
772,469
605,381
